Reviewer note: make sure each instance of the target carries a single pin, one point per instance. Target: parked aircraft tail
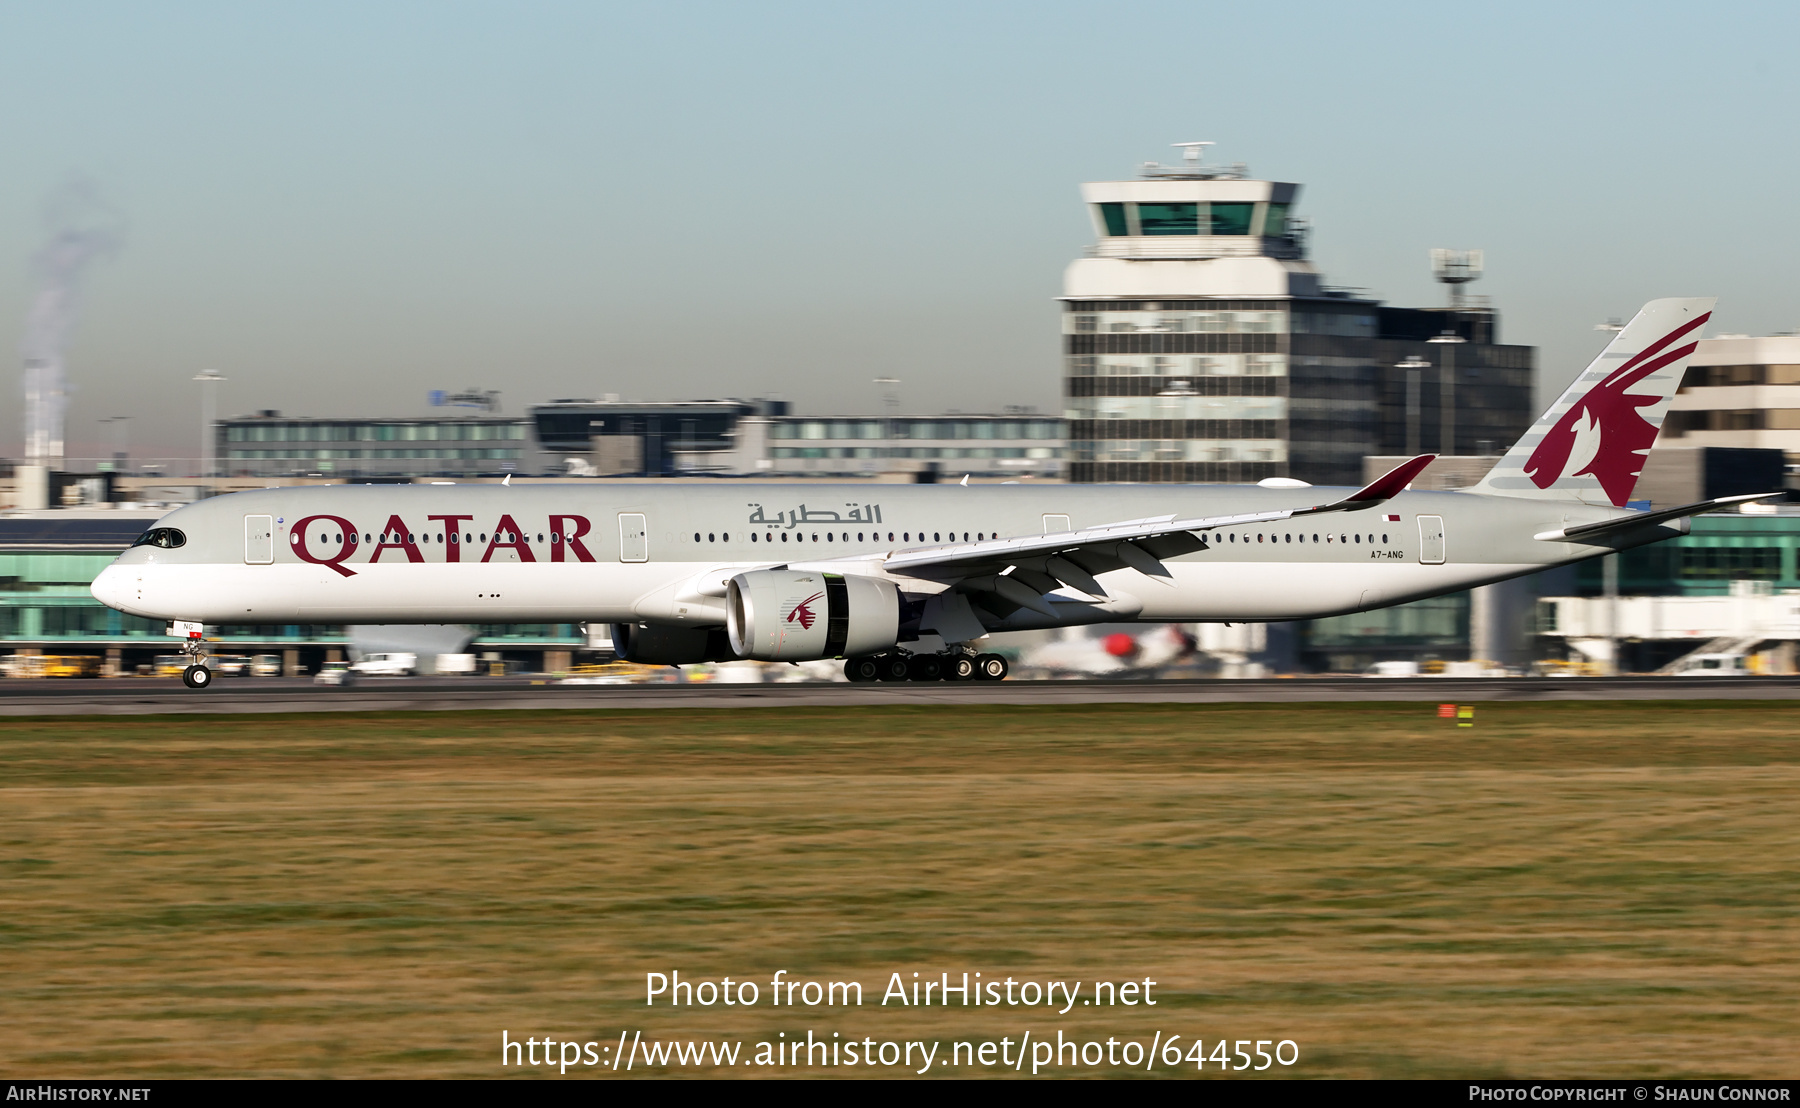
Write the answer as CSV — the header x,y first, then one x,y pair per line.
x,y
1591,444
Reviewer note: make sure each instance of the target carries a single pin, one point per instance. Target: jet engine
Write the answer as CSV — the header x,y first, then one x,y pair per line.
x,y
786,615
654,644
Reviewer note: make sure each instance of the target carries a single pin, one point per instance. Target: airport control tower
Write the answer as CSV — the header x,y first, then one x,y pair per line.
x,y
1201,345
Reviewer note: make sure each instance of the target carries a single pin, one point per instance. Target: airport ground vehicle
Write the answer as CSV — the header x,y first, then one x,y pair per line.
x,y
231,665
387,665
51,665
1713,665
454,664
265,665
899,580
334,673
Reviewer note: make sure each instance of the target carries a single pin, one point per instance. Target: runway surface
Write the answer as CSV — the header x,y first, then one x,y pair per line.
x,y
138,696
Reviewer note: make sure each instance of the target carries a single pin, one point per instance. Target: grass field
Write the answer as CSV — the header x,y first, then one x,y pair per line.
x,y
1563,890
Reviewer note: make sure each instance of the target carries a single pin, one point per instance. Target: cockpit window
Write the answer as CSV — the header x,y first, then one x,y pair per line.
x,y
166,537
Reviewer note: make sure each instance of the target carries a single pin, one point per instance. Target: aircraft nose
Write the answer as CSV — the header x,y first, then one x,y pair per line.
x,y
109,587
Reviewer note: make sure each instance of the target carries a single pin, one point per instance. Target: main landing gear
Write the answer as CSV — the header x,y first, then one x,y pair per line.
x,y
951,666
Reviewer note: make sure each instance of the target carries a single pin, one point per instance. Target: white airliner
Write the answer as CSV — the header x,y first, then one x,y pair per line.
x,y
900,580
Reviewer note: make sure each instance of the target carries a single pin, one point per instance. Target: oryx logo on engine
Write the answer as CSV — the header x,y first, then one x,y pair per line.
x,y
802,613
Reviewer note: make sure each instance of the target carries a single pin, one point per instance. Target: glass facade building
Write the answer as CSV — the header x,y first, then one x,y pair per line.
x,y
1200,345
269,444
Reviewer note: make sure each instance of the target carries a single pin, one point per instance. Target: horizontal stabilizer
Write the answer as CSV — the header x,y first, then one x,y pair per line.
x,y
1581,532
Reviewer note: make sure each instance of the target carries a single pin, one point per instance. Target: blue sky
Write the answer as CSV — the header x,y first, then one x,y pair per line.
x,y
341,206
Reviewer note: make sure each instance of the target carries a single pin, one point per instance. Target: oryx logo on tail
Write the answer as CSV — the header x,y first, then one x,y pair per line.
x,y
1602,434
1591,445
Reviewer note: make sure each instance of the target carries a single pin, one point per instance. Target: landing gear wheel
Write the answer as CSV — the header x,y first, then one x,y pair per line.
x,y
197,677
990,667
959,667
926,667
894,667
862,669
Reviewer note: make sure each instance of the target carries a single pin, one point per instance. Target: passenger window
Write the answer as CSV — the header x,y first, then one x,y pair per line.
x,y
784,536
935,537
1384,540
725,536
828,536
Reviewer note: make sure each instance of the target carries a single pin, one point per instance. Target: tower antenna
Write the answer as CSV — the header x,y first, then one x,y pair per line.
x,y
1455,268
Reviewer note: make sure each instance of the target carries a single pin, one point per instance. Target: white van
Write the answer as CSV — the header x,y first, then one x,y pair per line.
x,y
387,665
1713,665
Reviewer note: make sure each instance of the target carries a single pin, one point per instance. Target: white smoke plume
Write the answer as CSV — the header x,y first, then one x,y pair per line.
x,y
82,229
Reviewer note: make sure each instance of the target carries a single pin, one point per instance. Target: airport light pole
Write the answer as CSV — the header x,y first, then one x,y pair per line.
x,y
1413,365
890,403
1450,340
117,436
209,380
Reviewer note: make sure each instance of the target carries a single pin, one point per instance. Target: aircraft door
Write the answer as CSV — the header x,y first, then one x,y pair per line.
x,y
1055,525
634,537
1431,540
259,540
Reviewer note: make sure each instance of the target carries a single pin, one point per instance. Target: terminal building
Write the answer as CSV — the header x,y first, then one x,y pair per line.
x,y
1200,345
270,444
762,438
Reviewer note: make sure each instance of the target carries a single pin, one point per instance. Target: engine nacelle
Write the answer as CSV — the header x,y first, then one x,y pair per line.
x,y
787,615
654,644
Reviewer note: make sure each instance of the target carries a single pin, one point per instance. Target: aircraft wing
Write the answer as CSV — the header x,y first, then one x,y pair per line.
x,y
1022,570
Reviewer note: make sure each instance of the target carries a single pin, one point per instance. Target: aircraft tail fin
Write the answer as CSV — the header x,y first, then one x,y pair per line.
x,y
1591,444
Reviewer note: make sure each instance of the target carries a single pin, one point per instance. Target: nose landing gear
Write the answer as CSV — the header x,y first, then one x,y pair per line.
x,y
196,675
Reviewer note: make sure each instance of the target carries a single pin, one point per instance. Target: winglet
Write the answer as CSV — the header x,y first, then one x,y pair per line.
x,y
1389,484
